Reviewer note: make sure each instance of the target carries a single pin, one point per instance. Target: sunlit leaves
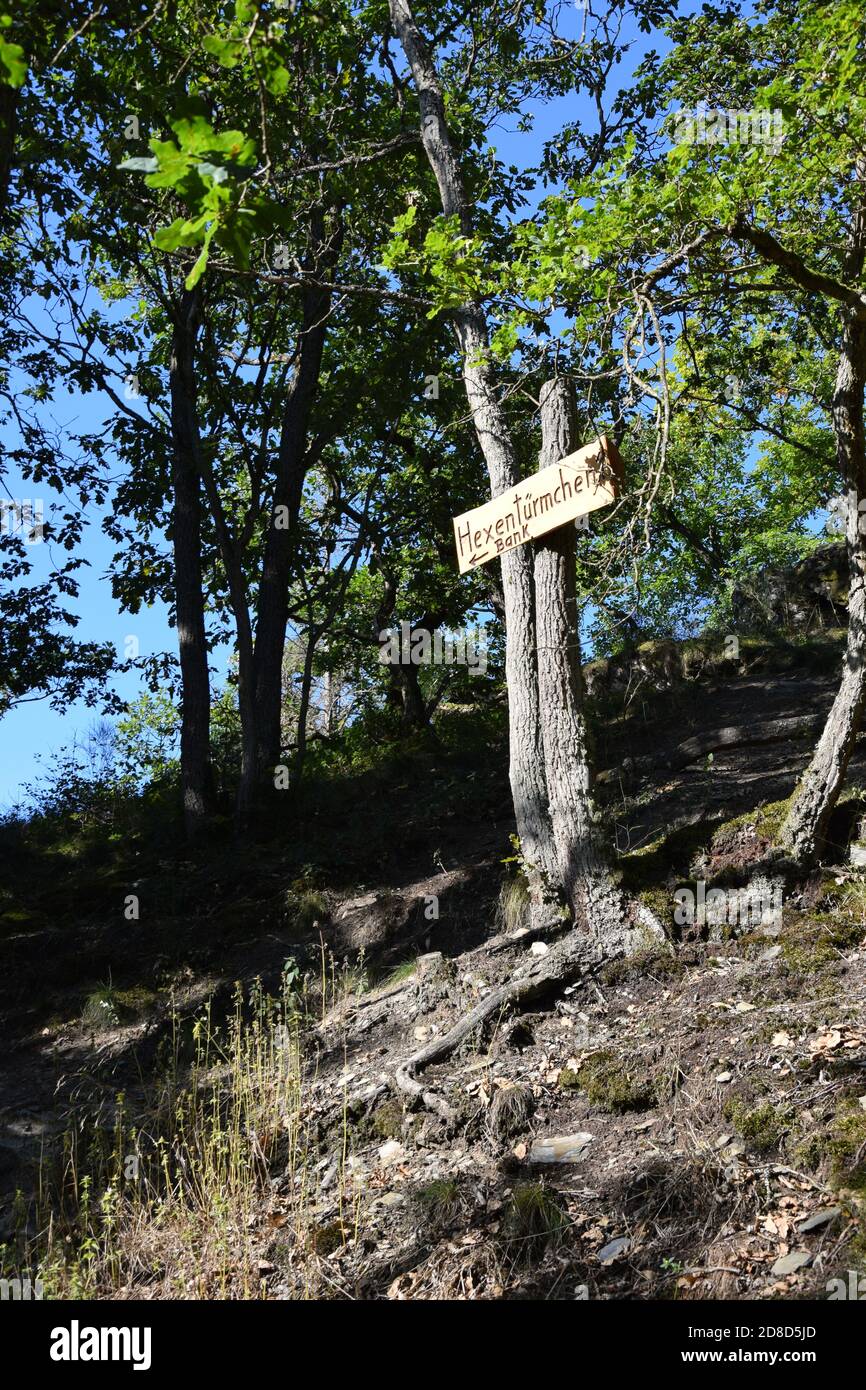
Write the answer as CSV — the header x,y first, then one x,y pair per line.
x,y
13,60
209,171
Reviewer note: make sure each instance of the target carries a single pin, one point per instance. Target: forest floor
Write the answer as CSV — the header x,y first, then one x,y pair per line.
x,y
687,1124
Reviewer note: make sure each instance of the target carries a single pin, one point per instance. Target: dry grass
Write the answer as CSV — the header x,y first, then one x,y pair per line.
x,y
181,1196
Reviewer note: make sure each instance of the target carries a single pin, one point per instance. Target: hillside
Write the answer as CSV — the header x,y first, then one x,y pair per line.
x,y
690,1123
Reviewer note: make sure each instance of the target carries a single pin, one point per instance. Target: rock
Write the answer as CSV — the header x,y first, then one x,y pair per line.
x,y
818,1219
773,952
857,855
734,1150
811,593
614,1248
789,1264
392,1152
564,1148
539,948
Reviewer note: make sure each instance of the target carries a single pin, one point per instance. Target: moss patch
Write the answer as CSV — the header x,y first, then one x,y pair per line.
x,y
652,962
765,822
842,1146
762,1127
608,1083
386,1121
653,868
846,1143
813,942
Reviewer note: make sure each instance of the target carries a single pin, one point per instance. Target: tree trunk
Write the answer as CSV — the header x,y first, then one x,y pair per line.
x,y
805,827
413,717
304,704
595,901
526,763
249,762
8,125
273,600
188,589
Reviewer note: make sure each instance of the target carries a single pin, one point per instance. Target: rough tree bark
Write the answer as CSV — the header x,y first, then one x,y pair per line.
x,y
8,123
526,759
188,589
292,464
596,903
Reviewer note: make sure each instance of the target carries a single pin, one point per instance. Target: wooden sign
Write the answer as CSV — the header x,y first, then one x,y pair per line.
x,y
579,483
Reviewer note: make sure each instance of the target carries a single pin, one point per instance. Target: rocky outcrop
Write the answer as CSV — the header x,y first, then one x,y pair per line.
x,y
810,594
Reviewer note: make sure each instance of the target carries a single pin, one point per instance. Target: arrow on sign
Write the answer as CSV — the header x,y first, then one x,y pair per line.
x,y
580,483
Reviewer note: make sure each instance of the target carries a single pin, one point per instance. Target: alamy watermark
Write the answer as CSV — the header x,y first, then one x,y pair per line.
x,y
707,125
20,1290
408,646
837,515
854,1288
77,1343
24,518
756,905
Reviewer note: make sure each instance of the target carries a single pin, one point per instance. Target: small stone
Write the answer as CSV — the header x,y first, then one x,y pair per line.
x,y
564,1148
735,1150
539,948
857,855
789,1264
724,1076
613,1249
771,954
818,1219
392,1152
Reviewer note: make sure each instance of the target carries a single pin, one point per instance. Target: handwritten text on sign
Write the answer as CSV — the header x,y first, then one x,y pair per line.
x,y
578,484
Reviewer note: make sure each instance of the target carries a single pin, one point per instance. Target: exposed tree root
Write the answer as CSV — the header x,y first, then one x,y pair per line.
x,y
578,954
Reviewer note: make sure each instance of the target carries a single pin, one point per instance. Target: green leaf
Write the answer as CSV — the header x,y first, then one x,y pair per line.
x,y
173,165
236,145
199,268
195,133
180,233
277,79
227,51
13,59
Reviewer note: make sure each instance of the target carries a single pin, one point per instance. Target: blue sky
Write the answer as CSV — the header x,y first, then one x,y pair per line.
x,y
32,733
